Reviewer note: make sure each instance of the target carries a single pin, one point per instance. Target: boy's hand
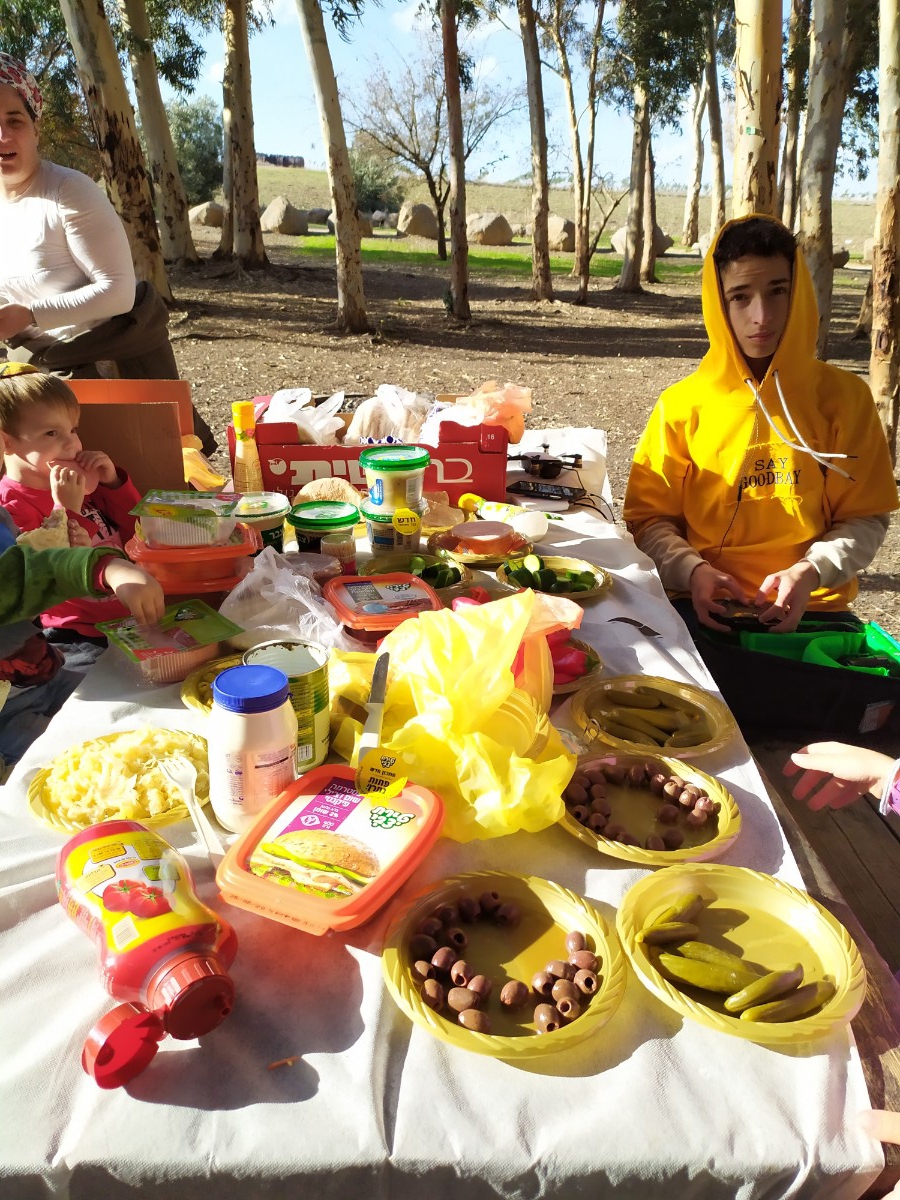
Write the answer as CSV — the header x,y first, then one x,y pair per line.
x,y
792,589
849,771
95,462
705,581
67,486
136,589
78,535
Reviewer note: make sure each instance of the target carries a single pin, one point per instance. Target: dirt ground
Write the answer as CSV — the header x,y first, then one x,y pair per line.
x,y
241,334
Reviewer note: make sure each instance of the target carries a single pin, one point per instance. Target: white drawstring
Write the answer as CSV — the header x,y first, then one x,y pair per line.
x,y
820,456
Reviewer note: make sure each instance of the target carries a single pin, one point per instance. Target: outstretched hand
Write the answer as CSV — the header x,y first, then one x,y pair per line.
x,y
848,771
136,589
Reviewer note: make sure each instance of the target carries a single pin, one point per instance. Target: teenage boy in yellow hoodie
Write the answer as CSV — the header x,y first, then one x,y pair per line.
x,y
765,475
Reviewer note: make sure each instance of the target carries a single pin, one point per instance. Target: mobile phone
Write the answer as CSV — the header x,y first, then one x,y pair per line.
x,y
545,491
738,616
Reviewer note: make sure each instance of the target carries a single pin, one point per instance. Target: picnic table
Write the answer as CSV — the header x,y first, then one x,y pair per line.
x,y
652,1105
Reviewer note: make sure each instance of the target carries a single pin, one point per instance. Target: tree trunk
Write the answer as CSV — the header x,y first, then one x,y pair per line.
x,y
829,52
691,230
541,280
629,280
884,367
588,245
757,101
648,257
578,181
225,248
112,119
863,330
787,181
434,192
248,240
459,242
351,314
174,225
716,140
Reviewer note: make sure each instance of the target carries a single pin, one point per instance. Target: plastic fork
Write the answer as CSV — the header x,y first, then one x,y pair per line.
x,y
181,772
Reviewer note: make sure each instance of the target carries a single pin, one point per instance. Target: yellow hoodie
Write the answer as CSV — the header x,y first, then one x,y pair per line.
x,y
744,498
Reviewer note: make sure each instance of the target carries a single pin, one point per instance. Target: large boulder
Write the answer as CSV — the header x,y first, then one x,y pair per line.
x,y
489,229
210,213
661,241
417,220
840,257
560,233
281,217
391,219
318,216
363,220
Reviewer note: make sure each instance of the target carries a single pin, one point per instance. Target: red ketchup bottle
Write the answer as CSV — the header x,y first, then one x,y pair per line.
x,y
162,952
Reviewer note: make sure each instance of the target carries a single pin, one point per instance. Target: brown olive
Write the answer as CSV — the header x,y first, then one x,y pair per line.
x,y
456,937
575,794
508,915
421,946
671,789
542,983
655,842
581,813
600,804
686,798
597,822
443,959
676,779
696,818
568,1007
668,814
575,941
629,839
469,909
490,902
560,969
704,804
431,926
595,777
433,994
614,832
637,775
614,774
673,838
586,982
482,986
423,970
584,960
564,987
461,972
547,1018
514,994
657,783
461,998
447,914
475,1019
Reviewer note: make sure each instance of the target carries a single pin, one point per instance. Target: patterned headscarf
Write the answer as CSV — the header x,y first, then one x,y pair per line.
x,y
17,76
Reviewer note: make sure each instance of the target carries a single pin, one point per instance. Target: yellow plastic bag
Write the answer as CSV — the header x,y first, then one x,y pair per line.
x,y
457,720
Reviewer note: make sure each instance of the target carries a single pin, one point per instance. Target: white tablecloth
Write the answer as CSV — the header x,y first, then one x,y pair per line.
x,y
652,1106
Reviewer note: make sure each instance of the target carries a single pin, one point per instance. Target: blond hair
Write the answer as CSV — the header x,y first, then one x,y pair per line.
x,y
20,392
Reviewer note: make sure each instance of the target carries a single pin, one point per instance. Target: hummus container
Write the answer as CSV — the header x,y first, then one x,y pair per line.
x,y
371,608
187,518
323,857
399,530
265,512
184,570
395,476
312,520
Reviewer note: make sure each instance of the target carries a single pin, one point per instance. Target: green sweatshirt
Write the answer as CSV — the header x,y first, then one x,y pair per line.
x,y
34,580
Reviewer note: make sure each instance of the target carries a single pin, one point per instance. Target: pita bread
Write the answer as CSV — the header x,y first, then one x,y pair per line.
x,y
51,534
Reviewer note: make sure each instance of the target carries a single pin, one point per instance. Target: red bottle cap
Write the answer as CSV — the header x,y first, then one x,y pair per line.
x,y
121,1045
192,993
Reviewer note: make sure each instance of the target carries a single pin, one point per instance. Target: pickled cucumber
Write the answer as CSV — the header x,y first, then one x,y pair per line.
x,y
663,932
710,977
704,952
769,987
684,909
804,1000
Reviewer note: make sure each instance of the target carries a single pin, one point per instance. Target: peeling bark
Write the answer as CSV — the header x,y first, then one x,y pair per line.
x,y
629,280
798,31
248,240
691,228
648,257
757,102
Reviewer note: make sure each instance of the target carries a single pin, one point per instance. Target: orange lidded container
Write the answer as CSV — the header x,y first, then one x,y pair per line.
x,y
324,857
183,570
371,607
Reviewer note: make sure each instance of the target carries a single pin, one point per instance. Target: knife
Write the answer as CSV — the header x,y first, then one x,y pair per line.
x,y
371,734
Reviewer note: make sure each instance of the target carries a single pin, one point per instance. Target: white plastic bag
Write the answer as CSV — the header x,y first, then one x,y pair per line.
x,y
392,414
273,601
317,424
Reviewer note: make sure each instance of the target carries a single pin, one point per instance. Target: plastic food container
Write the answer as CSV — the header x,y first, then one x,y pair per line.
x,y
265,512
393,531
371,608
483,537
311,521
395,476
323,857
187,518
185,569
187,636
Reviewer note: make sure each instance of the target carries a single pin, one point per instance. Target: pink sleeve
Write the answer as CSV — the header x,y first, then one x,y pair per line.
x,y
116,504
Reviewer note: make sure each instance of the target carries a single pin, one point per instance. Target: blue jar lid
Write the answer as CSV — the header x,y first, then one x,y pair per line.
x,y
250,689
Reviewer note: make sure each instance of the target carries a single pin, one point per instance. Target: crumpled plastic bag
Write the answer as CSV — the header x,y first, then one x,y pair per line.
x,y
457,719
501,404
392,414
273,601
317,424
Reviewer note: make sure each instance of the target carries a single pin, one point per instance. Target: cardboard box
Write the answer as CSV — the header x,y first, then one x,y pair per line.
x,y
468,459
139,423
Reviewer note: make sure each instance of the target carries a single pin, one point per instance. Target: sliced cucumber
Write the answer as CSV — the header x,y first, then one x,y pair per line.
x,y
532,562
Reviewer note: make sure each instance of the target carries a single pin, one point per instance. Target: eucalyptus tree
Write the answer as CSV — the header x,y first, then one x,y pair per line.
x,y
718,23
240,150
452,14
541,279
757,97
691,227
796,66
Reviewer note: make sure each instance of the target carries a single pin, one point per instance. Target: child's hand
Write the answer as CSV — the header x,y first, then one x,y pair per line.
x,y
95,462
849,772
67,486
78,535
136,589
885,1126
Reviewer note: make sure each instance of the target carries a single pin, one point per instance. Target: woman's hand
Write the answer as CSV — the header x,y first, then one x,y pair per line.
x,y
850,772
705,582
792,589
13,319
99,465
67,486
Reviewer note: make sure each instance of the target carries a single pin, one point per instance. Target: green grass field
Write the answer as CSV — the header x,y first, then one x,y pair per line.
x,y
854,221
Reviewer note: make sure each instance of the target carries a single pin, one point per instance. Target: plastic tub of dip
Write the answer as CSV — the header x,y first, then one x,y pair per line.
x,y
312,520
306,666
397,530
371,608
395,476
265,512
324,857
184,570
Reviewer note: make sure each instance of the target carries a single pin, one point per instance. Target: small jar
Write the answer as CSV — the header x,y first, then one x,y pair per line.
x,y
252,737
311,521
265,512
343,546
395,476
399,530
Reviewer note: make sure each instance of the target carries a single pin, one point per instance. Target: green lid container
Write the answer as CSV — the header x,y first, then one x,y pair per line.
x,y
370,513
394,458
323,516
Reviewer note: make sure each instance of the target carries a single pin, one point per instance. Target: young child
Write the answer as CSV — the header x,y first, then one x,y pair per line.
x,y
33,682
46,467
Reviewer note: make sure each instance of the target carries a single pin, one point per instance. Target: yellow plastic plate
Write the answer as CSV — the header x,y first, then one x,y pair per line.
x,y
443,546
549,912
636,809
385,564
594,699
40,799
196,691
556,563
564,689
767,922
